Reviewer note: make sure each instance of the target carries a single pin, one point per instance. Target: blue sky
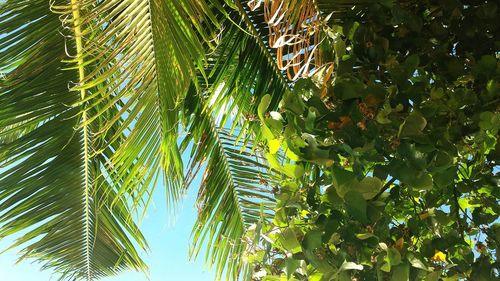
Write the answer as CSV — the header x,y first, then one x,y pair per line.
x,y
168,240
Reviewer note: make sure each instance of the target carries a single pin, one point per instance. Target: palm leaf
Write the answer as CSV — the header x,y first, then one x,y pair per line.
x,y
234,186
293,32
239,72
49,171
234,190
149,52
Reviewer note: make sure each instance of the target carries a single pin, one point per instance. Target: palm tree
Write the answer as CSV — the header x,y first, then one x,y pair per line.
x,y
93,97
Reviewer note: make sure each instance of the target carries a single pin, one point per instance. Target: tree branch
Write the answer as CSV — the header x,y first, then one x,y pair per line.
x,y
384,188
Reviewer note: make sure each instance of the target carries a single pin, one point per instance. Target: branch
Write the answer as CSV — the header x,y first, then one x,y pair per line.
x,y
457,210
384,188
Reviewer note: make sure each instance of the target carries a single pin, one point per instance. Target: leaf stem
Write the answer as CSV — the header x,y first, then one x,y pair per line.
x,y
75,9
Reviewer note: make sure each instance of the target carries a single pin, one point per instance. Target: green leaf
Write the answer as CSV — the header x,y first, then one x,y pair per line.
x,y
310,119
386,267
333,197
391,259
368,187
289,153
280,218
411,63
254,257
287,239
465,203
263,106
340,48
437,93
350,266
346,88
293,170
489,121
292,102
433,276
412,126
382,115
393,256
266,132
364,236
401,272
356,205
343,276
341,179
422,181
261,111
274,146
291,265
273,162
58,194
417,263
415,157
341,176
486,66
312,240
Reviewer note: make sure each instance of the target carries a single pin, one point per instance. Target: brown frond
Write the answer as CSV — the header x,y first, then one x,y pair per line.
x,y
294,32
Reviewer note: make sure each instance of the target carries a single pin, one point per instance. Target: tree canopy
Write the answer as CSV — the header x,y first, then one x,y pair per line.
x,y
389,153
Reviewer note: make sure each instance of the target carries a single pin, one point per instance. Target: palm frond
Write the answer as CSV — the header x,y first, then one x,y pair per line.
x,y
293,32
150,52
234,192
49,171
235,187
240,72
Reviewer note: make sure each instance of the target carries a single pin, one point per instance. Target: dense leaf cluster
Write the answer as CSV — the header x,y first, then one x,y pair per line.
x,y
389,154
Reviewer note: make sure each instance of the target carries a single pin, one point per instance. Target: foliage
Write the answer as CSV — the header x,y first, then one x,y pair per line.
x,y
389,164
94,97
379,166
54,192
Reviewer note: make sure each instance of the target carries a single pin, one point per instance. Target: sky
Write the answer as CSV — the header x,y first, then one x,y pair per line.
x,y
168,240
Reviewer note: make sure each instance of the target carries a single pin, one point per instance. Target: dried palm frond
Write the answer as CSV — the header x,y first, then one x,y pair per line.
x,y
294,32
